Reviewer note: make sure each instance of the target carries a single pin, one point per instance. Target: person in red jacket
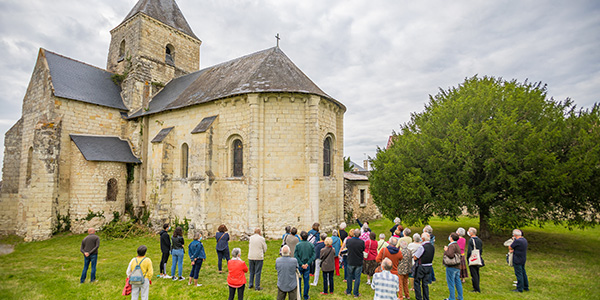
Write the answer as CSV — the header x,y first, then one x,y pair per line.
x,y
236,279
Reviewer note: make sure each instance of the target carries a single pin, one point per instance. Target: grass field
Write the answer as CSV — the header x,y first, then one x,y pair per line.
x,y
561,264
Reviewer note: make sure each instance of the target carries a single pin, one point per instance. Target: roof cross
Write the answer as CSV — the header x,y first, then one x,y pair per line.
x,y
278,38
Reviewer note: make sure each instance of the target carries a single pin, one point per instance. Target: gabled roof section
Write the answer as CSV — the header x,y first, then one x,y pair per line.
x,y
356,167
104,148
165,11
355,177
75,80
269,70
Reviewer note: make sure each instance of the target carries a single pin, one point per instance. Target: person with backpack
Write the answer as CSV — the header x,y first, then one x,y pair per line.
x,y
197,256
177,253
314,238
222,238
140,271
165,248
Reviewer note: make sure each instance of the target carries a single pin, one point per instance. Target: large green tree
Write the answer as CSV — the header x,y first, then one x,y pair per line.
x,y
495,149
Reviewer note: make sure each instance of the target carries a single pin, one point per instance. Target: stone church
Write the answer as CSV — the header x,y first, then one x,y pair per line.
x,y
251,142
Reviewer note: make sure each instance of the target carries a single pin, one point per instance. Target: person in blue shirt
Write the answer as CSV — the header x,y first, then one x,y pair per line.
x,y
337,246
222,238
519,250
197,256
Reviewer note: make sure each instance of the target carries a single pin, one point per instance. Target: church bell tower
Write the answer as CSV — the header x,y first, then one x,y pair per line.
x,y
152,45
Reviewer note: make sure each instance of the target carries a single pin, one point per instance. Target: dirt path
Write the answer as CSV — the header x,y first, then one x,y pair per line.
x,y
6,249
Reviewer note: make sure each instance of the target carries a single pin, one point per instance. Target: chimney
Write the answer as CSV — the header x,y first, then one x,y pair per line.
x,y
366,164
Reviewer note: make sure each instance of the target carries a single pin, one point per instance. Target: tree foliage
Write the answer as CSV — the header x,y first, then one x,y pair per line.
x,y
347,164
496,149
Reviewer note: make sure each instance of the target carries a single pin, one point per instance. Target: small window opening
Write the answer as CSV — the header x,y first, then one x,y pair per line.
x,y
111,190
184,160
362,197
238,158
170,55
122,51
29,162
327,157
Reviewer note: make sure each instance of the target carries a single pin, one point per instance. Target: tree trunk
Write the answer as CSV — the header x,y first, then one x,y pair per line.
x,y
484,229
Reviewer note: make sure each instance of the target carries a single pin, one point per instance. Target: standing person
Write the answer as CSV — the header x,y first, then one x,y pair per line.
x,y
519,250
89,248
222,238
165,248
369,263
292,240
314,238
141,290
404,267
287,282
318,246
327,258
429,230
344,252
305,255
462,243
413,248
453,271
177,252
365,232
197,256
397,223
424,258
343,233
385,283
382,243
405,236
236,279
392,253
362,225
475,243
256,256
356,247
337,246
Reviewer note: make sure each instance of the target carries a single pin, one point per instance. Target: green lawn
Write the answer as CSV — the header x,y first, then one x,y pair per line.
x,y
562,264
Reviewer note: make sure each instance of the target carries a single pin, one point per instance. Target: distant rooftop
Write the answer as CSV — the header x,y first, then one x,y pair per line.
x,y
355,177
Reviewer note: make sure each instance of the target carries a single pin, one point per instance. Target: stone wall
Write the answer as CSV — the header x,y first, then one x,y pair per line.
x,y
352,204
12,159
276,132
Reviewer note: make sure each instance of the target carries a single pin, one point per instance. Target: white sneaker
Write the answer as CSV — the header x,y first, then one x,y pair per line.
x,y
515,282
199,284
368,281
313,284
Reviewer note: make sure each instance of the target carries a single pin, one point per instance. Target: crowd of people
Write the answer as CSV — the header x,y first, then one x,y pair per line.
x,y
393,267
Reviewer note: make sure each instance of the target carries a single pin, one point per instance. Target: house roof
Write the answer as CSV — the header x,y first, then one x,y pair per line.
x,y
165,11
355,177
268,70
356,167
75,80
104,148
162,134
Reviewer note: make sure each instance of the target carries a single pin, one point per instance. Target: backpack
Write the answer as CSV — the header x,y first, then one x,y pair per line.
x,y
137,276
312,238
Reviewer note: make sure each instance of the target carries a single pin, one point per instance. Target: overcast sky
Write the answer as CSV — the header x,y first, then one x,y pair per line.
x,y
382,59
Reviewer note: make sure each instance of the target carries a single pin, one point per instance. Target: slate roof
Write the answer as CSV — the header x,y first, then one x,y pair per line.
x,y
269,70
355,177
162,134
75,80
104,148
165,11
204,124
357,167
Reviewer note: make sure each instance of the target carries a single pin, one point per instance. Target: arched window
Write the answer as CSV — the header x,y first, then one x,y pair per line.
x,y
122,50
111,190
29,162
170,55
327,157
238,158
184,160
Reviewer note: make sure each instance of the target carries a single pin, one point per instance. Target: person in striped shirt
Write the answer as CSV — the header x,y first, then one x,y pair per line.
x,y
385,283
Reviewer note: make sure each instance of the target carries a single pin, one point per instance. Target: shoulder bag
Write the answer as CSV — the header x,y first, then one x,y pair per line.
x,y
452,261
475,258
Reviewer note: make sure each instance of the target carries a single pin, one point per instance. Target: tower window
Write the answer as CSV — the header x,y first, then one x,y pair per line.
x,y
111,190
170,55
327,157
362,197
184,160
238,158
29,162
121,51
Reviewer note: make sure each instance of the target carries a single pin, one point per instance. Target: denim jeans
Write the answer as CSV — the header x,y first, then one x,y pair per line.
x,y
353,274
255,271
177,261
453,280
93,258
328,282
522,281
196,269
345,265
305,273
222,255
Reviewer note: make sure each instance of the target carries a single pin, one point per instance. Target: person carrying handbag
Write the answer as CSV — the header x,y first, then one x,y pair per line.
x,y
452,262
475,245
